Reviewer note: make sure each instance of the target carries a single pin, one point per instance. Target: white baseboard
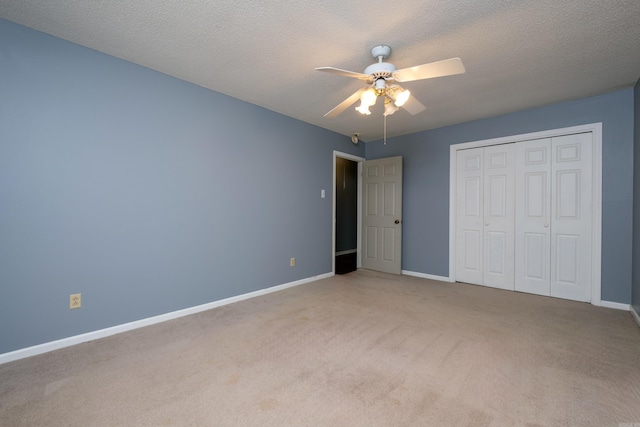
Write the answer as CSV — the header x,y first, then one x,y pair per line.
x,y
635,315
607,304
427,276
616,305
101,333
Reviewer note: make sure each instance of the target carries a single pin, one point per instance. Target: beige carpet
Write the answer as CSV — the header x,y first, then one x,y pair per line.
x,y
364,349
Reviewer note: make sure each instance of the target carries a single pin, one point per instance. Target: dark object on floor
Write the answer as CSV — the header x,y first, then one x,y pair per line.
x,y
346,263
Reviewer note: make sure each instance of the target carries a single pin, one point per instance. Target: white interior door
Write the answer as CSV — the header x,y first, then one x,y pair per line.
x,y
533,217
571,211
485,216
382,215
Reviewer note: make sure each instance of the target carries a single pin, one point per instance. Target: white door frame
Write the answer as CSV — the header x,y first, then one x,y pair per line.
x,y
596,130
359,160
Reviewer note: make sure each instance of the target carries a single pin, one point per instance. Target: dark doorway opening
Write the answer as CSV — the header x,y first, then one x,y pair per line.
x,y
346,215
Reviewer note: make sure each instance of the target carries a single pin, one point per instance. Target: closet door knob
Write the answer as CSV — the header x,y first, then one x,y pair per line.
x,y
397,221
546,225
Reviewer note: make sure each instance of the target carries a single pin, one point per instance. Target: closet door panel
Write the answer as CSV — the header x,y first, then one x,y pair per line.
x,y
571,217
469,212
533,214
499,211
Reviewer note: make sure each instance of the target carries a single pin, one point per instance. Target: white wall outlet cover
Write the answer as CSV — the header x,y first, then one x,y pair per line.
x,y
75,301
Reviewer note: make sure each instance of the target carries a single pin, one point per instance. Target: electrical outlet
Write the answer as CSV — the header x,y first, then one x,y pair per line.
x,y
75,301
292,262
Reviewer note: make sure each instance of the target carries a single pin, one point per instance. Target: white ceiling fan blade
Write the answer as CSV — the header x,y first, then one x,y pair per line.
x,y
413,106
346,103
347,73
447,67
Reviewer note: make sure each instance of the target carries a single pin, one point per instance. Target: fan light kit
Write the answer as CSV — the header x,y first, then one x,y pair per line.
x,y
378,77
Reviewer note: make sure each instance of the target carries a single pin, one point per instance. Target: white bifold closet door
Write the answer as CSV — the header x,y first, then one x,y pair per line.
x,y
553,216
485,216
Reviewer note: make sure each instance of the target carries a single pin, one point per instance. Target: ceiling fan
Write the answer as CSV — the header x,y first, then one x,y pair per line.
x,y
379,77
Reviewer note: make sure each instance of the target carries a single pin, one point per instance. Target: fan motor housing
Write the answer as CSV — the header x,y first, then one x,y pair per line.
x,y
380,70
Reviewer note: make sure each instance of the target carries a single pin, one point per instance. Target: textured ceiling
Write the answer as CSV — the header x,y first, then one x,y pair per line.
x,y
518,53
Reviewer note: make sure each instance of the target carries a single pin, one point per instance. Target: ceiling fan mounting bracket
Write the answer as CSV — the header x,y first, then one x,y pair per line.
x,y
381,52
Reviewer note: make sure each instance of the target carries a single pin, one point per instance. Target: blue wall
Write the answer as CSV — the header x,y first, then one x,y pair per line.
x,y
426,181
636,202
143,192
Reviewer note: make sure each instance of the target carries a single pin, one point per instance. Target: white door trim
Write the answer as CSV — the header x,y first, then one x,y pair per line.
x,y
596,130
351,157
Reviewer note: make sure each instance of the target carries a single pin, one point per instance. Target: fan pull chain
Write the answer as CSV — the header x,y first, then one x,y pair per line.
x,y
385,130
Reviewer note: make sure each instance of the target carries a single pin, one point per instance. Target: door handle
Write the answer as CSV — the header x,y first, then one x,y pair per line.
x,y
397,221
